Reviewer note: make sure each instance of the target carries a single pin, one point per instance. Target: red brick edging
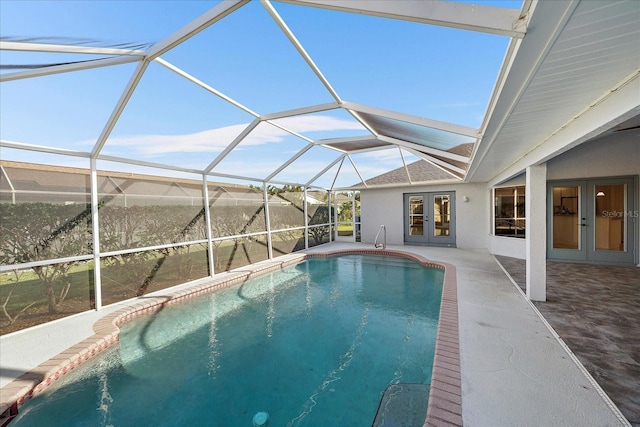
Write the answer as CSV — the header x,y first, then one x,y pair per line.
x,y
445,405
445,394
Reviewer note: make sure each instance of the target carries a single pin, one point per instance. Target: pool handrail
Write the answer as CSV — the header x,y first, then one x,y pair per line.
x,y
382,245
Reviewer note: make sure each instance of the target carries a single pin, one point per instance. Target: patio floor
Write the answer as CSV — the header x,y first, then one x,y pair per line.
x,y
595,309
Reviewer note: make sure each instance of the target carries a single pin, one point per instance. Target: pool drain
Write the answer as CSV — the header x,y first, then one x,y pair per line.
x,y
260,419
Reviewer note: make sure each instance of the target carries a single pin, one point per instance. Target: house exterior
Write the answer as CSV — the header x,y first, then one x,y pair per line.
x,y
555,174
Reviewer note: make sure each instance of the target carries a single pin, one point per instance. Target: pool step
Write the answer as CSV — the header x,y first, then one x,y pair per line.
x,y
403,405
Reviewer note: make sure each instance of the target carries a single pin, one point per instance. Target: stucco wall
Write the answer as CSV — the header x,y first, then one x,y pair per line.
x,y
616,155
611,156
385,206
507,246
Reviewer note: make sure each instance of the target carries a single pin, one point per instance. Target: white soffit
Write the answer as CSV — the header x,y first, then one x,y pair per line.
x,y
575,55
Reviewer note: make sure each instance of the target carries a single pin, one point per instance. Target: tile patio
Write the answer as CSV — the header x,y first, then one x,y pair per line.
x,y
595,309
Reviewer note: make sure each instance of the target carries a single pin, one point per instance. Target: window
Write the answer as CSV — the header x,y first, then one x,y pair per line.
x,y
509,214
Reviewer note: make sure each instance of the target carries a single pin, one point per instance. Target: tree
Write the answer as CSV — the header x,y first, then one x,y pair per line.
x,y
321,215
42,231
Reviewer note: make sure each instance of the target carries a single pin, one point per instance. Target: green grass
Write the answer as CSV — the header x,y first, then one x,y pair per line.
x,y
345,229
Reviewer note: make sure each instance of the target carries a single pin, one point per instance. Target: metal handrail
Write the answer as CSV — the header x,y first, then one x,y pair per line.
x,y
382,245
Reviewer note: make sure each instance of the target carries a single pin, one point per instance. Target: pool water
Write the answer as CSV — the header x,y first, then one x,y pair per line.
x,y
315,344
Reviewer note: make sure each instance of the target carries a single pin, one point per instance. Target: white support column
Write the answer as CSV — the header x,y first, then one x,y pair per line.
x,y
207,218
95,229
330,218
536,240
353,216
306,218
267,220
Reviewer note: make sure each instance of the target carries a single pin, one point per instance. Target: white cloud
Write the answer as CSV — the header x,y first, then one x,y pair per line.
x,y
216,140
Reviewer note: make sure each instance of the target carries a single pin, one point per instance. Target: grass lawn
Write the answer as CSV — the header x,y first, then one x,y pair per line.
x,y
345,229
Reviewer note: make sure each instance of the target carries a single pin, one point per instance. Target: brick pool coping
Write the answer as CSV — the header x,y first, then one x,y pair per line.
x,y
445,397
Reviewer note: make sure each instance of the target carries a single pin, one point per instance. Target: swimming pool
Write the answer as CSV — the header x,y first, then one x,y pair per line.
x,y
313,344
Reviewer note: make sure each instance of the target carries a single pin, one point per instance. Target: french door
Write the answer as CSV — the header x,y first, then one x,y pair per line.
x,y
592,220
429,218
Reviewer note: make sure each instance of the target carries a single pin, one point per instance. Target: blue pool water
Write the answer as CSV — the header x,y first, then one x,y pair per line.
x,y
315,344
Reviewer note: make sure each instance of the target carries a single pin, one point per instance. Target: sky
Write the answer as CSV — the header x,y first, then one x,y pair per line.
x,y
426,71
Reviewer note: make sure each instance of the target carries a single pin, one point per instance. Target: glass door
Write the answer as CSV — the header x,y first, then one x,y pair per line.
x,y
592,220
440,207
416,216
429,219
613,230
568,221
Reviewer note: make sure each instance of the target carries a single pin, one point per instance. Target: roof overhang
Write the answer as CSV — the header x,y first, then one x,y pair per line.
x,y
573,77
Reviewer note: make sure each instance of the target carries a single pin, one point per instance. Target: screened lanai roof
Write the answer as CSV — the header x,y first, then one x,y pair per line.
x,y
320,93
326,94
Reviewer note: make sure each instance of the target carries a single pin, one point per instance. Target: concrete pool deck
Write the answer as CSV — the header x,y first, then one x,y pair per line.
x,y
514,369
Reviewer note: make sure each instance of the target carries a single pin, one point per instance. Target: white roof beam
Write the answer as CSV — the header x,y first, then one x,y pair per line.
x,y
292,38
194,27
301,111
42,149
357,171
122,103
233,145
404,184
416,120
425,149
335,178
486,19
205,86
285,183
323,171
344,139
446,167
369,150
288,162
147,164
66,68
404,163
241,177
294,133
362,121
63,48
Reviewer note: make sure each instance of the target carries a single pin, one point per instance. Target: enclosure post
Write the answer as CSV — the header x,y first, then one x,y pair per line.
x,y
329,217
267,220
207,217
353,215
306,219
95,230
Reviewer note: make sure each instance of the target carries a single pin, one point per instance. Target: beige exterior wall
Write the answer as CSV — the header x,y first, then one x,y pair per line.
x,y
385,206
615,155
